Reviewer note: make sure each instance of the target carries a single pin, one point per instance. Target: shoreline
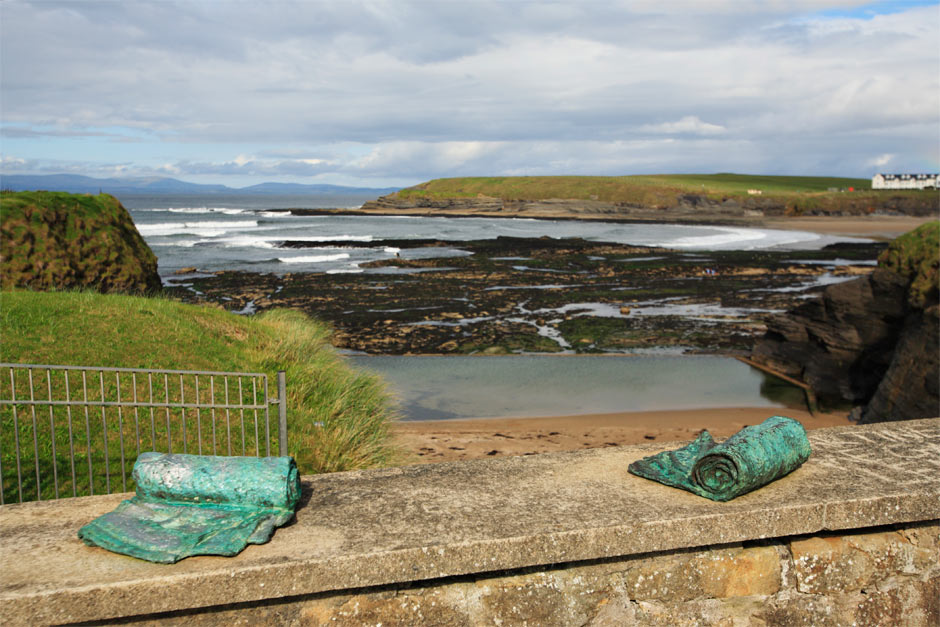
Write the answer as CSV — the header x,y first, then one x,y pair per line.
x,y
433,441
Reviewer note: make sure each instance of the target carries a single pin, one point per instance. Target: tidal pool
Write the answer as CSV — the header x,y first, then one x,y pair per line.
x,y
447,387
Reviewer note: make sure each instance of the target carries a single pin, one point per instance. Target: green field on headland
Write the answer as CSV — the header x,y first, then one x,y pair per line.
x,y
338,418
665,189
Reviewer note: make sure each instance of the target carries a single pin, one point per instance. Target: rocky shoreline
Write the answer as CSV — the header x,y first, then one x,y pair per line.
x,y
544,295
871,343
687,208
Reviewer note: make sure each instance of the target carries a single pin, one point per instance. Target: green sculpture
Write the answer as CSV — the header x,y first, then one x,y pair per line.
x,y
751,458
198,505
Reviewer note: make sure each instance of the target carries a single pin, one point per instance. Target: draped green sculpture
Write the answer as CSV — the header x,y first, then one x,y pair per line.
x,y
198,505
749,459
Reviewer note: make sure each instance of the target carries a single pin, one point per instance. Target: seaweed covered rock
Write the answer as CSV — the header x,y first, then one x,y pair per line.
x,y
872,342
56,240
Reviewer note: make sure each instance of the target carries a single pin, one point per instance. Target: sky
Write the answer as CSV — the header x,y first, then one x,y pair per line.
x,y
392,93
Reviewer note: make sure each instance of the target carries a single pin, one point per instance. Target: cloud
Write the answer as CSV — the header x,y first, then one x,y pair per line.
x,y
882,160
409,89
689,124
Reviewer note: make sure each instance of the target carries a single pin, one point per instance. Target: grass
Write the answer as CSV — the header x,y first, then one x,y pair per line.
x,y
799,193
54,239
338,417
916,256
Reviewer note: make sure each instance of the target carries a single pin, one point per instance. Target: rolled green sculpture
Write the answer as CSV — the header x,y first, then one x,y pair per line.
x,y
751,458
198,505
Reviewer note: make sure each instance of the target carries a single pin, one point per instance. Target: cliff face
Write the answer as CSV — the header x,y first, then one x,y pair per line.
x,y
872,342
687,208
55,240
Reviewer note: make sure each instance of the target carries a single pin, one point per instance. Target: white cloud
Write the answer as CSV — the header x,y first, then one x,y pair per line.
x,y
689,124
882,160
412,89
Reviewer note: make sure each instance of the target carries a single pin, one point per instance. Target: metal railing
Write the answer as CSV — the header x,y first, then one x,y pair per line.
x,y
61,423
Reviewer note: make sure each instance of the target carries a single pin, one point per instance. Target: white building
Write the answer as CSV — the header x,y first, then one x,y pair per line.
x,y
904,181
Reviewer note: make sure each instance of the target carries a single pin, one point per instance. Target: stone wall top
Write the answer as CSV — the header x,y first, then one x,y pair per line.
x,y
423,522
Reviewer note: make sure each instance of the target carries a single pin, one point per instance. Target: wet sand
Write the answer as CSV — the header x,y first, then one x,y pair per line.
x,y
452,440
875,227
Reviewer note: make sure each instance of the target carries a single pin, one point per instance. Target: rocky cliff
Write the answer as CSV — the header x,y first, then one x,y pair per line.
x,y
55,240
872,342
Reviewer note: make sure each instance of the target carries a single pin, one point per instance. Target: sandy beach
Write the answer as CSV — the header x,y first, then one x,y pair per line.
x,y
875,227
451,440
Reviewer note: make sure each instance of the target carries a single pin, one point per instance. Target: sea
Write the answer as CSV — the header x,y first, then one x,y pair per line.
x,y
241,232
246,232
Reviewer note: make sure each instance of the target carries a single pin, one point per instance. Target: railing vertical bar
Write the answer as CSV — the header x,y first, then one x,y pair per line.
x,y
183,414
228,423
2,500
68,413
136,413
212,410
104,437
267,419
32,408
254,401
91,483
153,428
117,379
166,397
16,437
55,458
281,412
198,417
241,401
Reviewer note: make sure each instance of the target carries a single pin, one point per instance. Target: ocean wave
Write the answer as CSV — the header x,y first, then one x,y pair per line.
x,y
153,229
740,238
247,242
225,210
314,258
353,269
203,228
335,238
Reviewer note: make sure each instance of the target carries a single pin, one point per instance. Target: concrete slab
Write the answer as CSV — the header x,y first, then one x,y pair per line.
x,y
423,522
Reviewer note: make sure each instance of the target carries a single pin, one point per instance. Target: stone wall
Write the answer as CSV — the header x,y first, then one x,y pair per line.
x,y
849,538
885,576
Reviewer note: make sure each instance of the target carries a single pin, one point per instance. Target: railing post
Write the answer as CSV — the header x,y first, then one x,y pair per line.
x,y
282,412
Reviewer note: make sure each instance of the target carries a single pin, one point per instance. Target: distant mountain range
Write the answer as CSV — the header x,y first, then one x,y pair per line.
x,y
154,185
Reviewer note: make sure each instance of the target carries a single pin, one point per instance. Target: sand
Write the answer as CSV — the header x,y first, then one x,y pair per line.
x,y
451,440
875,227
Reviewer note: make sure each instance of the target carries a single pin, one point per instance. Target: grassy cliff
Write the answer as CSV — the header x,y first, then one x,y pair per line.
x,y
56,240
916,257
797,193
338,417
